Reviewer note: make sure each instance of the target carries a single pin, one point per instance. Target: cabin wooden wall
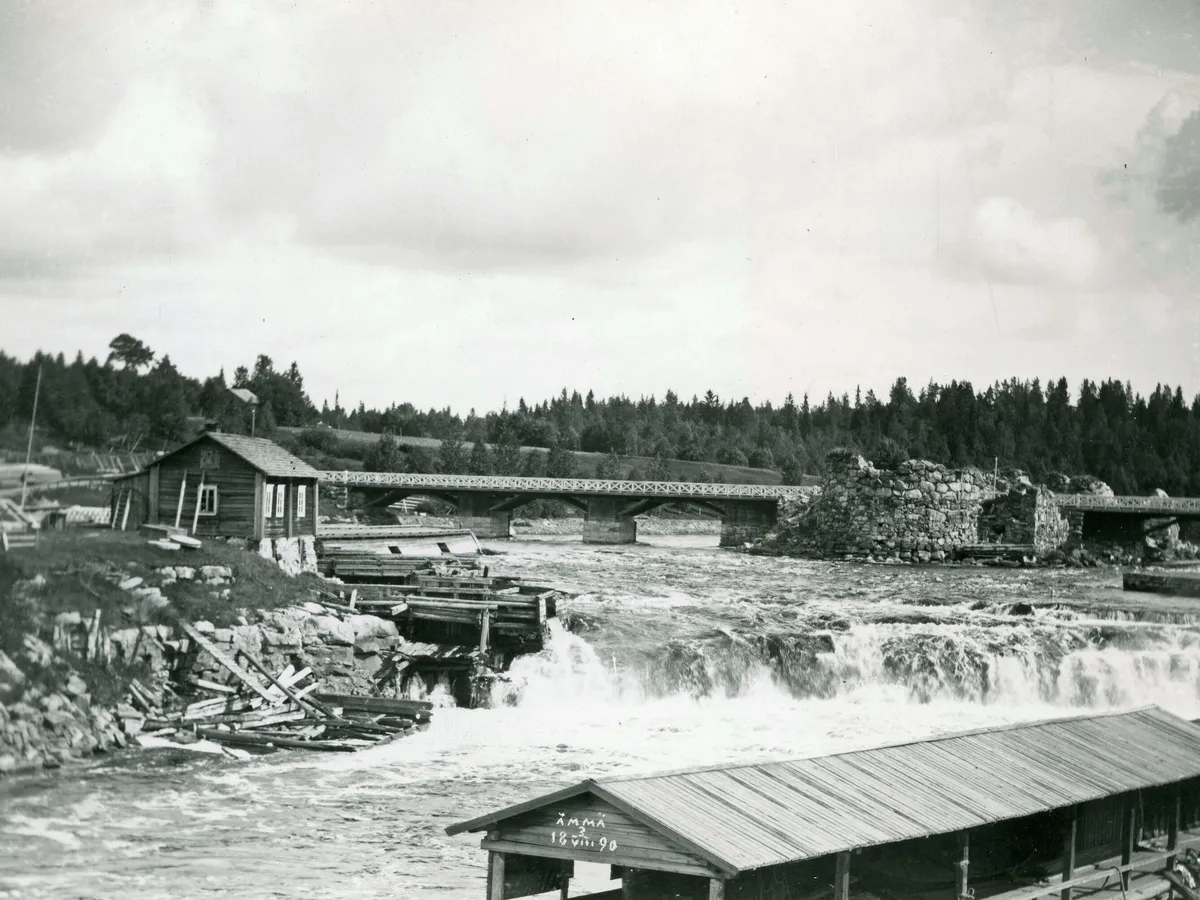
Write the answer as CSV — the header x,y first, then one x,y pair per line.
x,y
234,478
300,525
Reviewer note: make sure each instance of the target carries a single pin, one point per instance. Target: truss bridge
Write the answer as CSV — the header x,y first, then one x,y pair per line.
x,y
485,503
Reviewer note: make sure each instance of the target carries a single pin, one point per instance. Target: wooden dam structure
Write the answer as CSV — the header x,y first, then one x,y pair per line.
x,y
459,622
1099,805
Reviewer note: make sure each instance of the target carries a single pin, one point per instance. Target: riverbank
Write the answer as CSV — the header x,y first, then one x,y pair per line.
x,y
90,613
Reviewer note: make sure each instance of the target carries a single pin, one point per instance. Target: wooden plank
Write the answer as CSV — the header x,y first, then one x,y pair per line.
x,y
1176,815
225,660
314,705
964,862
179,506
1128,836
615,858
495,877
485,620
199,494
716,889
1070,844
841,878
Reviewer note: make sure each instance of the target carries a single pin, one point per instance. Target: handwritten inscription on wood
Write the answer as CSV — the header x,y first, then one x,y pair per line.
x,y
582,831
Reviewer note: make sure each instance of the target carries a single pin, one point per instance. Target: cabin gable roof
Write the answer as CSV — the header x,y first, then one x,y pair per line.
x,y
264,455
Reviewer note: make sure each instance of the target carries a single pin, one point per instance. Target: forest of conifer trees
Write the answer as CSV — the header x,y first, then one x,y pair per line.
x,y
135,399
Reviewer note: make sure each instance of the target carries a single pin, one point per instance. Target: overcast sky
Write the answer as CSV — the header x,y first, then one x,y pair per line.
x,y
464,203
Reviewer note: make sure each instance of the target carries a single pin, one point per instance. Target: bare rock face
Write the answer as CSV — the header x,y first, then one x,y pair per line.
x,y
308,554
12,679
287,552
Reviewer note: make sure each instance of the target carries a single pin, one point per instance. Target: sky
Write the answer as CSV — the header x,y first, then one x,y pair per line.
x,y
460,204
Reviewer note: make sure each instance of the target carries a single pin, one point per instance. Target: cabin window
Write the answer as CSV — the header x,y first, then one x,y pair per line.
x,y
280,495
268,500
445,548
301,500
208,500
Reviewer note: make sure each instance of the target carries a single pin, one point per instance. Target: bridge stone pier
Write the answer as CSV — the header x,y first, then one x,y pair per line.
x,y
747,521
607,522
485,503
483,513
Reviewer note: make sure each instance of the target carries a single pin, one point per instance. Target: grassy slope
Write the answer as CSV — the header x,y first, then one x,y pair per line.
x,y
78,563
587,462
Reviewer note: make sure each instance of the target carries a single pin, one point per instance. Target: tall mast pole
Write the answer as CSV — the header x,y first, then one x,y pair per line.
x,y
29,447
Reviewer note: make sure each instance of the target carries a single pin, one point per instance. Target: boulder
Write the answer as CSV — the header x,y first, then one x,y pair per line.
x,y
308,554
287,551
129,584
265,550
329,630
216,574
12,679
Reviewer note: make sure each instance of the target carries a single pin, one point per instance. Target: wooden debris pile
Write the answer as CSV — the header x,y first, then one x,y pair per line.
x,y
254,710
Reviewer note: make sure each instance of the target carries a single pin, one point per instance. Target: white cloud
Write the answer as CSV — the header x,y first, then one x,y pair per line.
x,y
630,195
1015,244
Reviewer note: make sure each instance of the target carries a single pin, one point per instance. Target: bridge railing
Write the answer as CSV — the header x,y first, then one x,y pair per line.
x,y
521,484
1100,503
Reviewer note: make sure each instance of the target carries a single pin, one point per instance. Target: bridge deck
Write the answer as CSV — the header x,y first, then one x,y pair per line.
x,y
506,484
1165,506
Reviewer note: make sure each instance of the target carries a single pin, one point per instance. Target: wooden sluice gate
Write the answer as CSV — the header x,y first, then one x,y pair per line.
x,y
460,624
1092,806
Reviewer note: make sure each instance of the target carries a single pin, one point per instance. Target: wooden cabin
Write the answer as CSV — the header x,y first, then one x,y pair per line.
x,y
1101,805
220,484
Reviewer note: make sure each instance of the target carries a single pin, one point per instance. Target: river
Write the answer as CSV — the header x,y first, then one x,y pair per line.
x,y
679,654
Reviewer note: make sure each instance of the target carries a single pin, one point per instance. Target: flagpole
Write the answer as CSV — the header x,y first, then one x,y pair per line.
x,y
29,447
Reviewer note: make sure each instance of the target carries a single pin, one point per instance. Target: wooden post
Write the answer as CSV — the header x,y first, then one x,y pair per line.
x,y
716,889
964,858
495,880
1175,814
1068,857
1128,835
116,510
841,878
485,621
289,507
179,506
199,494
152,504
128,503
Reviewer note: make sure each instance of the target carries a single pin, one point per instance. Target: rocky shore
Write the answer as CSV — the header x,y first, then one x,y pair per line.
x,y
66,692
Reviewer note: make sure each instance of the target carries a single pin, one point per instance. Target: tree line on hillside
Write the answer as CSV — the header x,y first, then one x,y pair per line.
x,y
1135,443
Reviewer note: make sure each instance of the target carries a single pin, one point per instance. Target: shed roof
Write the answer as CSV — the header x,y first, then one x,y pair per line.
x,y
747,816
266,456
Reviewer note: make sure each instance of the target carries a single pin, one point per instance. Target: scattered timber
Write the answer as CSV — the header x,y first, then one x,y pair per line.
x,y
1178,584
257,711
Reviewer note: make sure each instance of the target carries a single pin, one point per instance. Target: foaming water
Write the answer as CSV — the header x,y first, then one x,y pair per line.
x,y
676,654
